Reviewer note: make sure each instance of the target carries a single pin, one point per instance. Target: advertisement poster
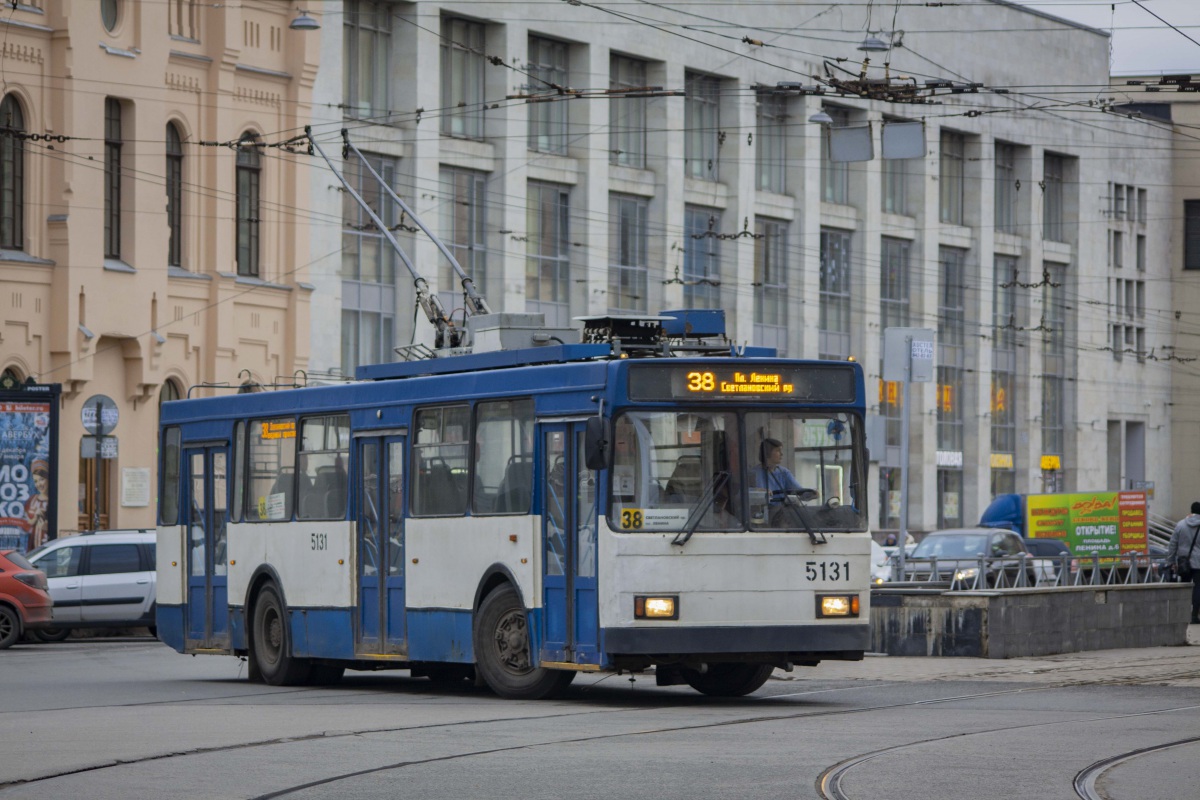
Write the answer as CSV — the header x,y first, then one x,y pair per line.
x,y
26,470
1102,523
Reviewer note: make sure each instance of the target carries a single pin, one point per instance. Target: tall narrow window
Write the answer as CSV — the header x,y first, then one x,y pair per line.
x,y
1006,189
894,291
1054,322
1052,198
834,324
770,284
547,121
249,182
895,185
368,267
174,196
952,179
627,115
1191,234
703,126
627,282
464,228
112,178
835,175
951,382
701,258
462,78
1004,369
367,32
771,141
182,20
548,262
12,175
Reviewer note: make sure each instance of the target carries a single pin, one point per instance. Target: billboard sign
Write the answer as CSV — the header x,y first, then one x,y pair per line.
x,y
1106,524
28,465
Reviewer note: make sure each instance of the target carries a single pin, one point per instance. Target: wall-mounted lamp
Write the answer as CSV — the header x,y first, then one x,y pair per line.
x,y
304,22
821,118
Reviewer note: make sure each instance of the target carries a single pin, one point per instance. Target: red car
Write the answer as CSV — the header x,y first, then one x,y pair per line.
x,y
24,601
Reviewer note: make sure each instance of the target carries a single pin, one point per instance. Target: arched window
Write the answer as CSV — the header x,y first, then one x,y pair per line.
x,y
10,379
170,391
12,175
174,195
249,180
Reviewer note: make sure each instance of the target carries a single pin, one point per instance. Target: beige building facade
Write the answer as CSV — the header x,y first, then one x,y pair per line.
x,y
152,227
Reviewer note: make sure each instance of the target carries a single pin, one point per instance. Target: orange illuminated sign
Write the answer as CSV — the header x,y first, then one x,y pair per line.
x,y
739,383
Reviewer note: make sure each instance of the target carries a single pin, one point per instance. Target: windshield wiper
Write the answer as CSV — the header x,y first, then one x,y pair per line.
x,y
788,502
701,507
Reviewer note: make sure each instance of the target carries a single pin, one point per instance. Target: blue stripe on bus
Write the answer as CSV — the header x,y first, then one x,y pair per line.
x,y
169,620
439,634
322,632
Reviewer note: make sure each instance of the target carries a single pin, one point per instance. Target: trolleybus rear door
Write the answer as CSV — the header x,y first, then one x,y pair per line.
x,y
380,527
568,491
207,586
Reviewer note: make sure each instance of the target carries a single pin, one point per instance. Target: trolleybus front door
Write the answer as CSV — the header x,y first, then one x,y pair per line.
x,y
571,627
207,586
380,528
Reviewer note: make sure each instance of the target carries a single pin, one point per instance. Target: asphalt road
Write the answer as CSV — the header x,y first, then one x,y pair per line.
x,y
129,718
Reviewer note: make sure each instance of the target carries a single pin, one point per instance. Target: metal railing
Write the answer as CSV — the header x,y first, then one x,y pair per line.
x,y
1024,571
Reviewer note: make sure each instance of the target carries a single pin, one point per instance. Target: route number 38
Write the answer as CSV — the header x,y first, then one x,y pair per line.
x,y
701,382
631,519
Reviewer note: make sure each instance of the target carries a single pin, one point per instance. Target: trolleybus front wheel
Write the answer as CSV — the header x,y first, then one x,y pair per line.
x,y
728,680
502,650
272,642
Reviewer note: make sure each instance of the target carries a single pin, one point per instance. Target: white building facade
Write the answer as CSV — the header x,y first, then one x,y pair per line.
x,y
1031,233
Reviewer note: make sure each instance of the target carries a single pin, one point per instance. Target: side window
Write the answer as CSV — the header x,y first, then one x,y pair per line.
x,y
503,468
149,553
440,463
323,482
110,559
60,563
168,506
271,470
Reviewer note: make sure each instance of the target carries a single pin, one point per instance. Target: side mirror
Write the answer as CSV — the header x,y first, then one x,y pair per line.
x,y
597,443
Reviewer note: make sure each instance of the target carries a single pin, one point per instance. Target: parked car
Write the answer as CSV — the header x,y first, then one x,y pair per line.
x,y
1049,557
24,602
104,579
958,552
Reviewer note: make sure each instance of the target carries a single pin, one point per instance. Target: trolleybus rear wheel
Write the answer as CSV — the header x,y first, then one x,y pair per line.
x,y
273,642
502,651
728,680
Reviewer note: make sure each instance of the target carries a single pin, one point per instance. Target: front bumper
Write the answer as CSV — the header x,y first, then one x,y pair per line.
x,y
781,639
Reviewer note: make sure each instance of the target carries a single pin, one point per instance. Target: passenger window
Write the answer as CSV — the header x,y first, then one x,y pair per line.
x,y
169,506
503,468
324,483
272,470
60,563
440,461
110,559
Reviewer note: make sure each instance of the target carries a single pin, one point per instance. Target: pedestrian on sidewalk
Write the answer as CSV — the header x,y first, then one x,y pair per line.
x,y
1183,547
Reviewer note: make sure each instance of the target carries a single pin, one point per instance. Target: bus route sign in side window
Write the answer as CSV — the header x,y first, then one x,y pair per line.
x,y
786,383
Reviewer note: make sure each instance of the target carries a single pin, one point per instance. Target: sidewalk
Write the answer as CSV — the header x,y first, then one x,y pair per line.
x,y
1158,666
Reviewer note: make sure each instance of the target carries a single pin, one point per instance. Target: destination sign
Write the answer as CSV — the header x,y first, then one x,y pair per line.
x,y
812,383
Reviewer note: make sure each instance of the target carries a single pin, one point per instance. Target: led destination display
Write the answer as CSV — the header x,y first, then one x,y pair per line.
x,y
820,384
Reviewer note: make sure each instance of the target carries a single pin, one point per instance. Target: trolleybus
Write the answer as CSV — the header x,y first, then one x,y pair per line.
x,y
521,515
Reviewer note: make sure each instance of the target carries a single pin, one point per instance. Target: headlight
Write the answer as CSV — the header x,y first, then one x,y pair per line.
x,y
837,605
966,574
664,607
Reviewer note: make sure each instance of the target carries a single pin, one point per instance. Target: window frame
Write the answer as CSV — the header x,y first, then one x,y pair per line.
x,y
770,120
702,114
113,169
247,222
463,72
628,241
952,162
627,115
355,38
549,65
174,188
12,174
548,252
701,257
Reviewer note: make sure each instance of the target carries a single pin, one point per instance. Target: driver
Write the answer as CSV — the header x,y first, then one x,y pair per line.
x,y
770,474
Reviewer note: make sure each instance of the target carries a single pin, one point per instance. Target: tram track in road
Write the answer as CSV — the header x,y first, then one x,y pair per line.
x,y
829,783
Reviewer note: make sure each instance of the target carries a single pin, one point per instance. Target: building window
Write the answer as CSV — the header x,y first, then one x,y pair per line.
x,y
701,258
112,178
1140,253
249,183
835,175
949,487
547,69
1054,322
895,184
702,126
1053,175
952,178
771,141
12,175
627,115
182,20
170,391
109,14
951,339
894,291
174,196
1004,356
368,269
464,229
770,284
367,31
548,253
1006,187
1191,234
462,78
834,323
627,279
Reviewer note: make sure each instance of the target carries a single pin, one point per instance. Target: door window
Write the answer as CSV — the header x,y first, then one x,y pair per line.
x,y
62,563
111,559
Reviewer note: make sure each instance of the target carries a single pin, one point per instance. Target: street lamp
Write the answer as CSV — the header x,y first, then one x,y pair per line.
x,y
821,118
304,22
873,44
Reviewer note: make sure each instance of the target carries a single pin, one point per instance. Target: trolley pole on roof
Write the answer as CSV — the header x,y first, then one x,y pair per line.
x,y
447,334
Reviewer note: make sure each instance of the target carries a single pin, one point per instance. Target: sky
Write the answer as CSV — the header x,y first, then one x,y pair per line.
x,y
1141,43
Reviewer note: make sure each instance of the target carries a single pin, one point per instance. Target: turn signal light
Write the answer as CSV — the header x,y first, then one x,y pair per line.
x,y
645,607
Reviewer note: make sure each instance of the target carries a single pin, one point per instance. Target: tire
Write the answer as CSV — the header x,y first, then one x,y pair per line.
x,y
10,627
52,634
728,680
272,642
502,653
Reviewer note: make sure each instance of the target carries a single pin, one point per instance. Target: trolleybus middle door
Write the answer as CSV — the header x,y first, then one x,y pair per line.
x,y
208,504
380,477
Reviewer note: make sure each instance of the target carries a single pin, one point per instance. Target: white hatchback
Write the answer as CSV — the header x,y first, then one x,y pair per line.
x,y
98,580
